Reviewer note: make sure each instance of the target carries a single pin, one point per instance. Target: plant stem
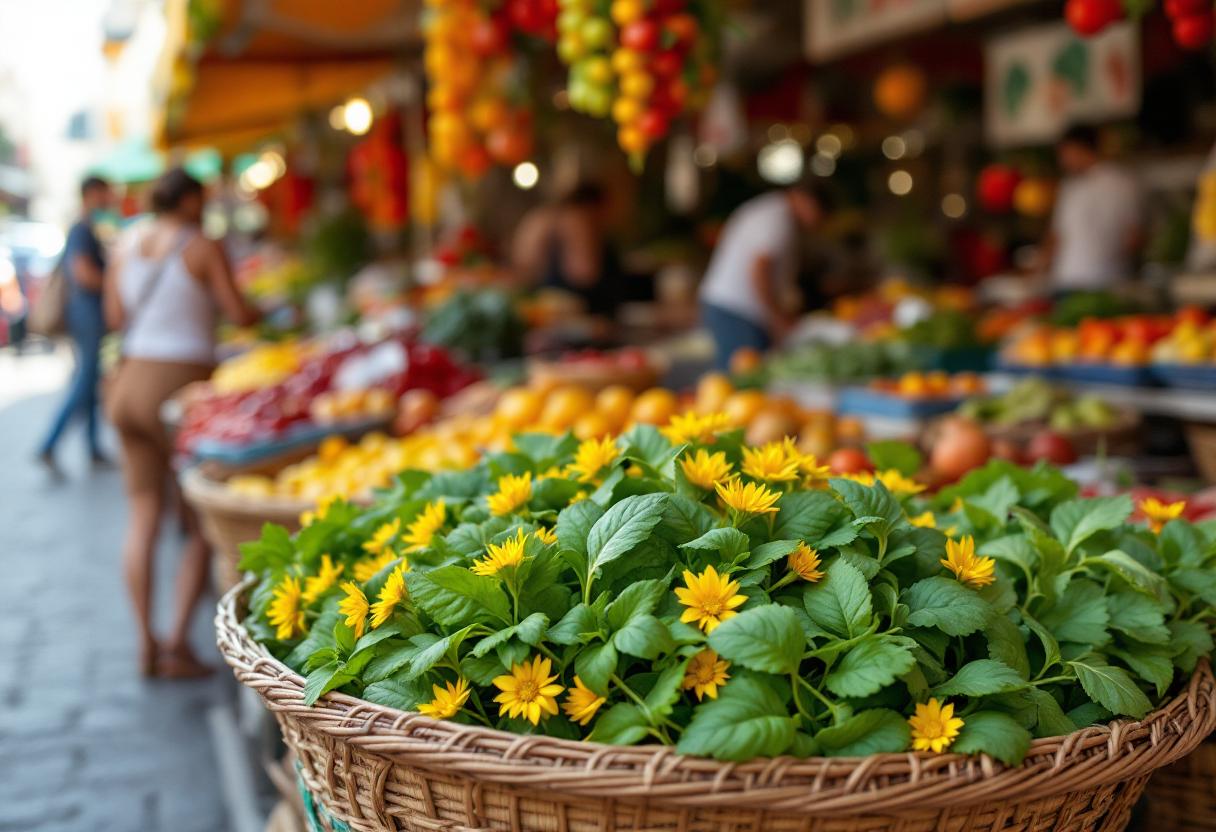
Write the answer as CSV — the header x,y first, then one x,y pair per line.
x,y
542,648
1052,679
797,700
830,706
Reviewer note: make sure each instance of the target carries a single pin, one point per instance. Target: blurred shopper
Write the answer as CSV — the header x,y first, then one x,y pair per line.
x,y
164,292
565,245
1096,227
84,265
745,293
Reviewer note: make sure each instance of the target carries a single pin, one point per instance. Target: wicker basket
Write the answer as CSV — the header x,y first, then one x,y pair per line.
x,y
1202,439
374,769
1182,796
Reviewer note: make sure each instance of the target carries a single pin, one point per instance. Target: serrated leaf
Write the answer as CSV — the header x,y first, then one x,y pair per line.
x,y
1079,615
769,552
1138,616
574,525
1201,582
805,515
580,620
640,598
595,665
1051,719
946,604
1182,544
994,734
1189,642
684,520
1005,645
746,721
529,631
876,661
622,724
397,693
768,639
644,636
980,678
1129,569
839,602
1111,688
730,543
622,527
876,731
870,501
1076,521
1154,663
454,596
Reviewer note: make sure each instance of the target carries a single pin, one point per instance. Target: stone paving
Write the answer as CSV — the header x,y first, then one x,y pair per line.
x,y
85,744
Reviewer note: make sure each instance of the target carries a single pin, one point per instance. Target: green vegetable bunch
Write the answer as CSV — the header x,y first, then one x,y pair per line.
x,y
733,602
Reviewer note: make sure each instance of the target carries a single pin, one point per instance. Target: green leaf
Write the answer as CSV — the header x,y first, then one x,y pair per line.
x,y
876,661
1051,720
465,485
595,665
1111,687
768,639
273,551
644,636
1079,614
876,731
746,721
996,501
979,678
324,679
1005,644
1015,549
1181,544
870,501
994,734
640,598
1076,521
946,604
1138,616
622,724
730,543
1129,569
1201,582
645,444
667,689
529,631
1189,641
805,515
769,552
397,693
840,601
545,449
575,524
1154,663
622,527
684,520
578,622
454,596
891,453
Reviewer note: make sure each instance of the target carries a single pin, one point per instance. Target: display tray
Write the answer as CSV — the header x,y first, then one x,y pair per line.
x,y
249,453
1049,371
954,359
1196,376
1107,374
862,401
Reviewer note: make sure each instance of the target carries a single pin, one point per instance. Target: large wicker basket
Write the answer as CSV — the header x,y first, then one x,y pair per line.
x,y
1182,796
374,769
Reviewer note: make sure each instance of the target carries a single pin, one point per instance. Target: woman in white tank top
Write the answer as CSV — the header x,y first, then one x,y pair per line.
x,y
165,292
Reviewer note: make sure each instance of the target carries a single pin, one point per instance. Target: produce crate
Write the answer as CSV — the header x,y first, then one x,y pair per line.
x,y
1107,374
371,768
1197,376
1049,372
242,454
862,401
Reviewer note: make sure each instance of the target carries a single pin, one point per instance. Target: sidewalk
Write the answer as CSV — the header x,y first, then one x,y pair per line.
x,y
85,744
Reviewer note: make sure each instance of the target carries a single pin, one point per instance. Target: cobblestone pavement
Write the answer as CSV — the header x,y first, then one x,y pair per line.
x,y
85,744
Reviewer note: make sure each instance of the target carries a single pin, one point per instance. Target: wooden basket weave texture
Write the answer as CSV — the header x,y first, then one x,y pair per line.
x,y
382,770
1182,796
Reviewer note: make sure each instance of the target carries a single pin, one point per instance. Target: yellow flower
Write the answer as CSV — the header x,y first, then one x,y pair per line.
x,y
528,691
581,495
1158,513
705,470
315,587
592,457
705,674
447,701
323,504
752,498
966,566
711,598
513,493
383,535
284,612
510,553
813,474
805,562
545,536
896,483
419,533
693,428
392,595
354,607
774,462
553,472
934,726
924,521
581,704
367,568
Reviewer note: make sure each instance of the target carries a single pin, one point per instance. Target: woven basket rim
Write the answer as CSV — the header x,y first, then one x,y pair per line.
x,y
215,495
831,786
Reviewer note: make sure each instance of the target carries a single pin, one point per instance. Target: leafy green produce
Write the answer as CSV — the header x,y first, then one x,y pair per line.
x,y
854,361
482,325
950,329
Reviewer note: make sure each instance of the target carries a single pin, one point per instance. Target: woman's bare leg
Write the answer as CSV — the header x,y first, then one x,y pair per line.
x,y
139,555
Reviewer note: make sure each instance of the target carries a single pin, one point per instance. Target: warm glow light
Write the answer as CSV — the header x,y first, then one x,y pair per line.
x,y
781,162
337,117
275,161
829,145
845,133
893,147
259,175
778,132
357,116
705,156
954,205
900,183
526,175
823,165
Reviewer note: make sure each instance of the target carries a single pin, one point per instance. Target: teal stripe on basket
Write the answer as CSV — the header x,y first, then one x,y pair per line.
x,y
314,812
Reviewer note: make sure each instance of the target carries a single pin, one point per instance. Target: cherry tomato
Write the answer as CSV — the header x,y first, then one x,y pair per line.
x,y
489,36
626,110
667,64
1193,31
653,124
642,36
624,12
596,32
1088,17
1175,9
637,85
632,139
683,27
850,461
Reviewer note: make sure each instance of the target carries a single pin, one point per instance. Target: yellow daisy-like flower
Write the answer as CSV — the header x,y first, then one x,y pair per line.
x,y
749,498
705,470
317,586
513,493
804,561
581,495
509,554
528,691
285,612
691,427
592,457
705,674
711,598
967,567
392,595
553,471
383,535
814,475
545,536
354,606
924,521
774,462
1158,513
367,568
447,700
896,483
934,726
323,504
582,703
419,533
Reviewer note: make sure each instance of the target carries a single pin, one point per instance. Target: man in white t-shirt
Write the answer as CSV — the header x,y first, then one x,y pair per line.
x,y
1096,224
754,269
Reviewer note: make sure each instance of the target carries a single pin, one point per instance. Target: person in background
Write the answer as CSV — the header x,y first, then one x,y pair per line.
x,y
83,264
165,291
1096,226
744,295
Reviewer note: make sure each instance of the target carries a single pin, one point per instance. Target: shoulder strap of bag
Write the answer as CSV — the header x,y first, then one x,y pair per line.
x,y
141,302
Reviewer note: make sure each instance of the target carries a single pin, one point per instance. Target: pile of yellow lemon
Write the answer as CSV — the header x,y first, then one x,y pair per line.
x,y
1187,343
263,366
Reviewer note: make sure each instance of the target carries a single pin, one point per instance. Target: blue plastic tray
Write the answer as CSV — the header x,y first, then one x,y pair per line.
x,y
1107,374
249,453
1198,376
863,401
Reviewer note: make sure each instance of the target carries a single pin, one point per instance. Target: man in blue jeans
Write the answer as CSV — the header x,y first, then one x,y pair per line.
x,y
84,265
745,293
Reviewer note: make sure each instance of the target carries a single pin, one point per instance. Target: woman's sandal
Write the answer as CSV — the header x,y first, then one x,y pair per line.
x,y
171,664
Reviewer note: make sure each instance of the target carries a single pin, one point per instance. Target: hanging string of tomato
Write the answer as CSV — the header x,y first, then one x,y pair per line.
x,y
1191,20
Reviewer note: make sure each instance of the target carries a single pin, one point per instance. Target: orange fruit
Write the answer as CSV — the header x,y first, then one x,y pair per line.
x,y
614,403
850,429
592,425
938,383
519,407
632,140
627,110
712,392
655,407
770,424
968,384
743,405
745,360
636,84
331,448
913,385
627,60
564,405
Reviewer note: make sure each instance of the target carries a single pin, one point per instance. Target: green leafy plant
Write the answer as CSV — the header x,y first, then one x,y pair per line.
x,y
735,604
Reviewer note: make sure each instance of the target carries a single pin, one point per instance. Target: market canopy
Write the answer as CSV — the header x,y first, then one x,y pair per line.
x,y
236,70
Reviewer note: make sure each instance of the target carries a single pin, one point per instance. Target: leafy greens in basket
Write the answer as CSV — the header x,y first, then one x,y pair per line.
x,y
677,587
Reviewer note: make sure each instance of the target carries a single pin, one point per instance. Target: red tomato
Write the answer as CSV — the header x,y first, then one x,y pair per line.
x,y
667,64
653,124
640,36
683,27
1193,31
1088,17
995,185
849,461
1175,9
509,146
662,8
489,36
1194,314
527,15
1052,447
